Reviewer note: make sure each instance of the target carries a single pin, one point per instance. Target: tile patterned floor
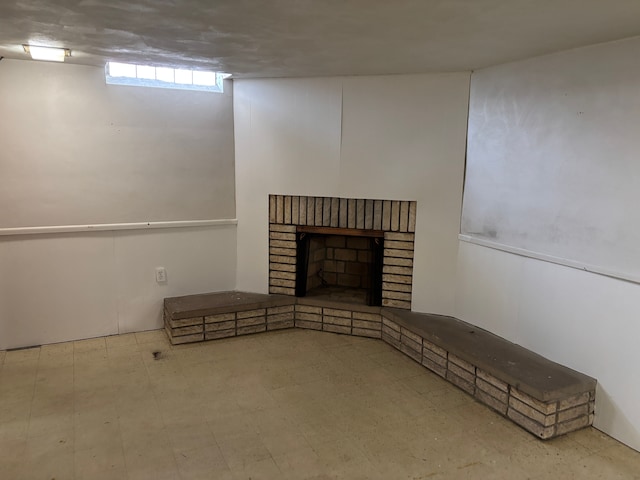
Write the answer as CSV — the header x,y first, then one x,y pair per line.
x,y
285,405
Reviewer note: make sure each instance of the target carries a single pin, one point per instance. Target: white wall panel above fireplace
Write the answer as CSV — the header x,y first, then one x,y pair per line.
x,y
393,137
403,138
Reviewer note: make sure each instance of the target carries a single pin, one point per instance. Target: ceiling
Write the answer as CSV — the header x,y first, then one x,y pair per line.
x,y
276,38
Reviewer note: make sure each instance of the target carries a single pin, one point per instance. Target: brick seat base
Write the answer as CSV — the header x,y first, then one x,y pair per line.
x,y
544,397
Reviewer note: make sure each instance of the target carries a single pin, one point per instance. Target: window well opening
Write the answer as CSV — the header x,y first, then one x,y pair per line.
x,y
164,77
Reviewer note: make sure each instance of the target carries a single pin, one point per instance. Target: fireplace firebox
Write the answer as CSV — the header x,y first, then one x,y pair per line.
x,y
342,264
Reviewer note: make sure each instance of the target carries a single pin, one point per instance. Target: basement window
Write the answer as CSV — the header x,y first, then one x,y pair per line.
x,y
163,77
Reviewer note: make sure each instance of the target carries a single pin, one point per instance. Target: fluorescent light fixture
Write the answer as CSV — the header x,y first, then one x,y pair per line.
x,y
49,54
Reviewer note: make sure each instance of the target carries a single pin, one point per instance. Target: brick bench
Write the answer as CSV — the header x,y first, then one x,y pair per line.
x,y
543,397
195,318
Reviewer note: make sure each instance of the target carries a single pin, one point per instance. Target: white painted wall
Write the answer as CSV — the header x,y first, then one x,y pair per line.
x,y
76,151
198,260
552,156
580,319
55,288
390,137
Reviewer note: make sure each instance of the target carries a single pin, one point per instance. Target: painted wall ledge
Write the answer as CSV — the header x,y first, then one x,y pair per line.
x,y
627,277
101,227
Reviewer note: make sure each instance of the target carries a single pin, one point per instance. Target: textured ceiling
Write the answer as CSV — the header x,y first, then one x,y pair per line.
x,y
252,38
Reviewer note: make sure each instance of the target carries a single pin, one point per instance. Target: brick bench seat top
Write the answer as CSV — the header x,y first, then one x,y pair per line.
x,y
221,302
513,364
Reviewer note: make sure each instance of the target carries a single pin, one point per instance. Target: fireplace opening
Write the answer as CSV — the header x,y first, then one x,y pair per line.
x,y
342,264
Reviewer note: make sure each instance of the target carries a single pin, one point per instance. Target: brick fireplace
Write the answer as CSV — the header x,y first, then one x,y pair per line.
x,y
340,237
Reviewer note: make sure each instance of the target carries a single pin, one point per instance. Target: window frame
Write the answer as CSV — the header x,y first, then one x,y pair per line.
x,y
155,83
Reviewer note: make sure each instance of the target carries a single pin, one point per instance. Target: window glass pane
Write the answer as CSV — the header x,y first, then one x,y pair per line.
x,y
164,74
204,78
162,77
148,73
122,70
183,76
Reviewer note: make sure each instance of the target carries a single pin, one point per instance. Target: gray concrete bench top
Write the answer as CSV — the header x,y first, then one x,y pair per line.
x,y
221,302
527,371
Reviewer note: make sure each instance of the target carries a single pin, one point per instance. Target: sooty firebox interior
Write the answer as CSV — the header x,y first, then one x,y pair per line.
x,y
344,264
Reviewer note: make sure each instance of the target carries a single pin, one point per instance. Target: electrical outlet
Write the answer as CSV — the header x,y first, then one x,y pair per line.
x,y
161,275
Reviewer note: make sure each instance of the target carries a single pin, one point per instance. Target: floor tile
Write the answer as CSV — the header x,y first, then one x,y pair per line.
x,y
263,469
124,340
240,450
56,349
23,356
100,463
89,345
303,463
205,462
291,405
151,336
